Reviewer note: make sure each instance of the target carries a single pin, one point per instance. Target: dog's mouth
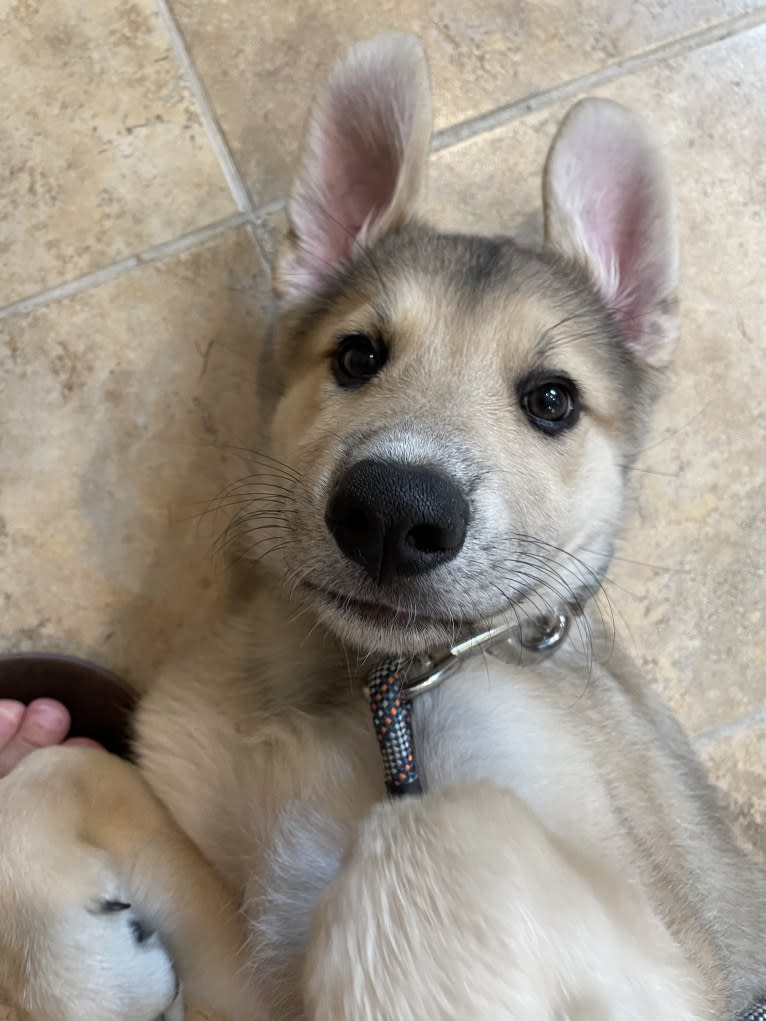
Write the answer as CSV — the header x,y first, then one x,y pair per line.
x,y
379,614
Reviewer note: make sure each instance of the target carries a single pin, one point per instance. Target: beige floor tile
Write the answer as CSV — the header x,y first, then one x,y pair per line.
x,y
261,66
696,618
103,152
116,411
738,765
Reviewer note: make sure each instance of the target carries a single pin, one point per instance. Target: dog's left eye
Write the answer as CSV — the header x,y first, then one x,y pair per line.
x,y
357,358
552,405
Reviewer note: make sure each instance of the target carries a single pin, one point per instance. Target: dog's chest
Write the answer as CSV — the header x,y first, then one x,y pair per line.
x,y
519,729
490,721
487,723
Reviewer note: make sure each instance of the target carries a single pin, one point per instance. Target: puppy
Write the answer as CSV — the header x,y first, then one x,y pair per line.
x,y
447,423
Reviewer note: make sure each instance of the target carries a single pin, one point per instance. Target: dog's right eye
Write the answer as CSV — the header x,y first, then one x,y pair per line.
x,y
357,358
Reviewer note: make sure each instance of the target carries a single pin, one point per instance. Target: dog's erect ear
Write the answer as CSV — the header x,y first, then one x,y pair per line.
x,y
363,163
608,205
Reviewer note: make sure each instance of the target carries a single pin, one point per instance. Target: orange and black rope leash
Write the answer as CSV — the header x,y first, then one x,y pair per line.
x,y
392,719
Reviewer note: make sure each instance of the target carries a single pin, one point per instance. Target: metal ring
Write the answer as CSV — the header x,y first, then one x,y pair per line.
x,y
432,679
432,675
555,632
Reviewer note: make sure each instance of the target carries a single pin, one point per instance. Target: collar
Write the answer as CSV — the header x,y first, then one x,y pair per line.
x,y
540,639
392,686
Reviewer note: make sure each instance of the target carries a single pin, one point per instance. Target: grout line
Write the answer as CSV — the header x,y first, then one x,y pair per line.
x,y
502,115
739,726
272,206
253,217
260,218
117,269
262,239
493,119
198,236
215,132
207,113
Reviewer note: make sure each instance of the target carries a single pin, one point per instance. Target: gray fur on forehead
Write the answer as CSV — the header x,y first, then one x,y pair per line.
x,y
469,265
469,268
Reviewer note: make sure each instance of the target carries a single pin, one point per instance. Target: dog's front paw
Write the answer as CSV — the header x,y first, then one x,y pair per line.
x,y
414,925
461,904
176,1011
138,973
78,932
102,962
101,896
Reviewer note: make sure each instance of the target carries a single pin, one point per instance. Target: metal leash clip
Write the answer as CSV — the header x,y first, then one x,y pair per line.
x,y
427,672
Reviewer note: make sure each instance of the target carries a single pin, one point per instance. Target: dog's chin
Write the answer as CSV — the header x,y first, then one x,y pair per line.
x,y
371,627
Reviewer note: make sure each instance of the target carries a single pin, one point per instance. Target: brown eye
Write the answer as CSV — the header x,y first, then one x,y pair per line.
x,y
357,358
551,404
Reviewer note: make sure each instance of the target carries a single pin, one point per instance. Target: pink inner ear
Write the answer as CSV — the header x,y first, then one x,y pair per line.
x,y
360,179
363,161
611,184
618,226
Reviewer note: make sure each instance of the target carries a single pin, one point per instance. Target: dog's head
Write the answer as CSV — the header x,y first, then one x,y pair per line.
x,y
454,415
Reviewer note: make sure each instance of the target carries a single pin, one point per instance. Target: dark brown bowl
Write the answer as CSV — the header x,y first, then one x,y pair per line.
x,y
100,703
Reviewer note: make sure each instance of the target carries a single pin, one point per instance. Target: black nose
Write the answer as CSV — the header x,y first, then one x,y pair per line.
x,y
397,519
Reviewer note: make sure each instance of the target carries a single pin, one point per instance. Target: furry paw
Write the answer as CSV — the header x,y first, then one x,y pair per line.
x,y
96,918
462,905
78,939
106,963
176,1011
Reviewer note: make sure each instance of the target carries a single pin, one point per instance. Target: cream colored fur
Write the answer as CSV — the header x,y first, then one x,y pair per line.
x,y
568,861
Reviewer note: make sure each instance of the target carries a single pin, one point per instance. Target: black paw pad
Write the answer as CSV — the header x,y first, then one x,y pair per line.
x,y
111,907
141,931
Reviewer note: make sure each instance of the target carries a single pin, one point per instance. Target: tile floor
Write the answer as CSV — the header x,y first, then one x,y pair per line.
x,y
145,154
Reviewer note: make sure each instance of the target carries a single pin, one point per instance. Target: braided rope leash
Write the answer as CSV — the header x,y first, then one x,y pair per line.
x,y
392,686
392,719
756,1013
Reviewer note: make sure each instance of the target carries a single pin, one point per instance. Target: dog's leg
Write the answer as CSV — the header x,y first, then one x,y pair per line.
x,y
462,906
105,902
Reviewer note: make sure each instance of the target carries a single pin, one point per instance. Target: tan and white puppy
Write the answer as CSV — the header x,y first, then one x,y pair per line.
x,y
448,421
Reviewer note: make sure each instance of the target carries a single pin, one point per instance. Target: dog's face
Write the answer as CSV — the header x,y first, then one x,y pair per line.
x,y
455,414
